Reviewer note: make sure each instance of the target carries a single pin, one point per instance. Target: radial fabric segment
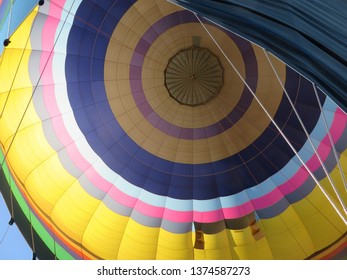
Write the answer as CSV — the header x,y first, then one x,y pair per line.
x,y
113,167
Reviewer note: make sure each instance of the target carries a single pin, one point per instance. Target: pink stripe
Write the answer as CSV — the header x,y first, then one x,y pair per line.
x,y
268,199
56,8
239,211
189,216
122,198
212,216
339,125
48,40
295,182
58,126
77,158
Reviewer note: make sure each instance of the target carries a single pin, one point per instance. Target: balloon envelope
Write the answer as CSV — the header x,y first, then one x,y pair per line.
x,y
104,163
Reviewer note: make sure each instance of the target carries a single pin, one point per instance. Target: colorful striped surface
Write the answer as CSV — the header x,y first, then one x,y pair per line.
x,y
112,167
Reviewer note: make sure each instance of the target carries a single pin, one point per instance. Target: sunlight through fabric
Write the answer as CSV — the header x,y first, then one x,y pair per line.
x,y
140,130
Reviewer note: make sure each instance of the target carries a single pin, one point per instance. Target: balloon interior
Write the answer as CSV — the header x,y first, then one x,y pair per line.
x,y
142,130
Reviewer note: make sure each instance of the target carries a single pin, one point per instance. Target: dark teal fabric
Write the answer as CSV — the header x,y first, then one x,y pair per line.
x,y
308,35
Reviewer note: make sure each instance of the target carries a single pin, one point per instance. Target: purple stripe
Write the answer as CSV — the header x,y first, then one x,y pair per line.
x,y
145,108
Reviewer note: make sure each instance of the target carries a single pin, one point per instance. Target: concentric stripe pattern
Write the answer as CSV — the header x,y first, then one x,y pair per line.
x,y
118,164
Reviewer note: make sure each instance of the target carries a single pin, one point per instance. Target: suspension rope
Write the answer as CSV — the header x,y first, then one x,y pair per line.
x,y
331,139
11,203
9,20
274,123
10,223
5,234
32,237
306,133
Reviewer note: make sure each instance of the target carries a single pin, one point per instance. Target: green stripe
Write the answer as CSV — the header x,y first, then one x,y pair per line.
x,y
38,227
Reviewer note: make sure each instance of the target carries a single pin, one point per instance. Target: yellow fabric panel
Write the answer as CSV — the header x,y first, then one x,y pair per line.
x,y
35,152
104,233
339,186
47,190
15,108
15,86
14,60
320,219
304,228
242,237
246,247
290,240
327,211
75,200
282,242
258,250
139,242
199,254
217,246
173,246
343,161
263,250
110,236
11,58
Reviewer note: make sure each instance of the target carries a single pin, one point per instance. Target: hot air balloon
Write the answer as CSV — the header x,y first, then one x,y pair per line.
x,y
144,130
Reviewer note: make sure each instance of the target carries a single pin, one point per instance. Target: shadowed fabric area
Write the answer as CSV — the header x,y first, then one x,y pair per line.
x,y
310,36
